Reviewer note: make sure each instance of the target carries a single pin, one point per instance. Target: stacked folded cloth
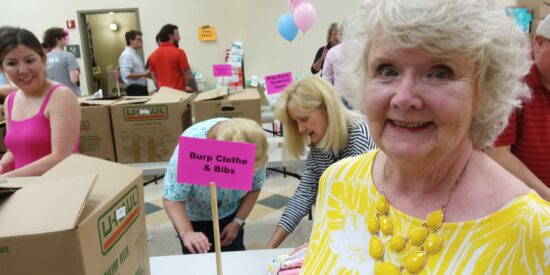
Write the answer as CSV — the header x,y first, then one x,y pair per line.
x,y
288,264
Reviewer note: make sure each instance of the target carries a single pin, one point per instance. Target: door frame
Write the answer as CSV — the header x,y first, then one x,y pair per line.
x,y
84,38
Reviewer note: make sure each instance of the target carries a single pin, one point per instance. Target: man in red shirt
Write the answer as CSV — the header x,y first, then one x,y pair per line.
x,y
168,64
524,146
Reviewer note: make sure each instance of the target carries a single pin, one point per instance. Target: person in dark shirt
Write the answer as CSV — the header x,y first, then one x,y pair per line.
x,y
522,148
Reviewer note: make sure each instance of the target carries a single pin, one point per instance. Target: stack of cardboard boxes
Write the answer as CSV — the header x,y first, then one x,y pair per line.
x,y
86,215
134,129
147,129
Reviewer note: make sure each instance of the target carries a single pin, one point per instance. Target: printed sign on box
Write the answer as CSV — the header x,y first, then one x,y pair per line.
x,y
222,70
228,164
277,82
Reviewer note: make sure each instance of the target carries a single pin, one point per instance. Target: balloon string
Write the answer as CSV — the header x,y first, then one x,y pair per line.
x,y
303,51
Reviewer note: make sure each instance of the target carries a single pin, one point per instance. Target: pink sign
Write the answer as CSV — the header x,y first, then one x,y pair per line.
x,y
228,164
222,70
277,82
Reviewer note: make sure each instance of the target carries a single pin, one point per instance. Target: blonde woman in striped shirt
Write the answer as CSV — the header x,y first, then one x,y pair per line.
x,y
314,116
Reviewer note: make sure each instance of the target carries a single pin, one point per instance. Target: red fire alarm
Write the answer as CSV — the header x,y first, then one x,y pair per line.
x,y
70,24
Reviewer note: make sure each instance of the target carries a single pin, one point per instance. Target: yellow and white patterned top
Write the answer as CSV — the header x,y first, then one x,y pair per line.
x,y
513,240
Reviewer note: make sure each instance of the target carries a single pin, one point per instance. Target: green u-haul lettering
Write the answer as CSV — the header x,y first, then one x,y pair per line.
x,y
110,229
152,110
149,112
106,231
130,203
112,269
124,255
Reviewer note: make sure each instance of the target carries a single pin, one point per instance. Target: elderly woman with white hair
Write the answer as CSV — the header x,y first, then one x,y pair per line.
x,y
438,80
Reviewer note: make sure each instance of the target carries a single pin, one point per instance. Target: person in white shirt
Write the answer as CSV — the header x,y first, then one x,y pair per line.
x,y
132,70
332,70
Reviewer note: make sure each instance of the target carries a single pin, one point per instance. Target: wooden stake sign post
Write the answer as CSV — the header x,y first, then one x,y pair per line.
x,y
216,163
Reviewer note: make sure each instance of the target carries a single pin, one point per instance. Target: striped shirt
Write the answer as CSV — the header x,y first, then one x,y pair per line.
x,y
528,131
317,161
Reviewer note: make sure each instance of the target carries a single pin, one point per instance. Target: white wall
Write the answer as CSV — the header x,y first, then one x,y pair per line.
x,y
254,22
266,52
37,16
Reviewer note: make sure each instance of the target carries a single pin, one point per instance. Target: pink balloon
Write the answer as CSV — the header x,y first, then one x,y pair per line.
x,y
294,3
304,16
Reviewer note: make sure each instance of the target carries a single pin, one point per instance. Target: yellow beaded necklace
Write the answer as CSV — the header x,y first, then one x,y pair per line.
x,y
425,237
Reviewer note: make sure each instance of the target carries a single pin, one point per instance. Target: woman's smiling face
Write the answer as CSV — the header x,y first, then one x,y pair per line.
x,y
418,105
24,67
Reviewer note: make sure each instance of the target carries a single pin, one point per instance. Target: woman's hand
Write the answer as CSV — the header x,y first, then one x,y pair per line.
x,y
229,233
196,242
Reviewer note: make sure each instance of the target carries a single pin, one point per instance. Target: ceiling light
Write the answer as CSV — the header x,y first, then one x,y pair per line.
x,y
113,26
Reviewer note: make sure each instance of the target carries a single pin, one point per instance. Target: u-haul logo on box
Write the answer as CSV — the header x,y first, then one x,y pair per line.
x,y
152,112
113,223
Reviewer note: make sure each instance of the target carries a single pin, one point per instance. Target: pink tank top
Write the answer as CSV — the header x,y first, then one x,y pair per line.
x,y
30,139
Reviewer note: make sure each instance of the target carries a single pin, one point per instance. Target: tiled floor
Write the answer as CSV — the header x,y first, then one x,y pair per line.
x,y
259,225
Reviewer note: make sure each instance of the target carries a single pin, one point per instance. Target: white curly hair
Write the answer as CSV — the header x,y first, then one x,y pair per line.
x,y
476,28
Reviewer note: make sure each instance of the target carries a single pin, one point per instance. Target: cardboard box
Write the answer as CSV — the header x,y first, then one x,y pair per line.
x,y
147,129
96,131
218,103
84,216
263,97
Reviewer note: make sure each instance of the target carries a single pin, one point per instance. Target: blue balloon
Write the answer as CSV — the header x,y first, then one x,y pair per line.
x,y
286,26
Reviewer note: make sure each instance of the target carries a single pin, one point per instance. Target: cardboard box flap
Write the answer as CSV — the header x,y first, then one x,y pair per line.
x,y
46,207
113,178
133,100
263,97
90,101
6,192
169,95
244,95
212,94
167,91
17,182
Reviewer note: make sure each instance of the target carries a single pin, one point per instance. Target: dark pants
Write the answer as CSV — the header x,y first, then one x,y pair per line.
x,y
207,228
136,90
